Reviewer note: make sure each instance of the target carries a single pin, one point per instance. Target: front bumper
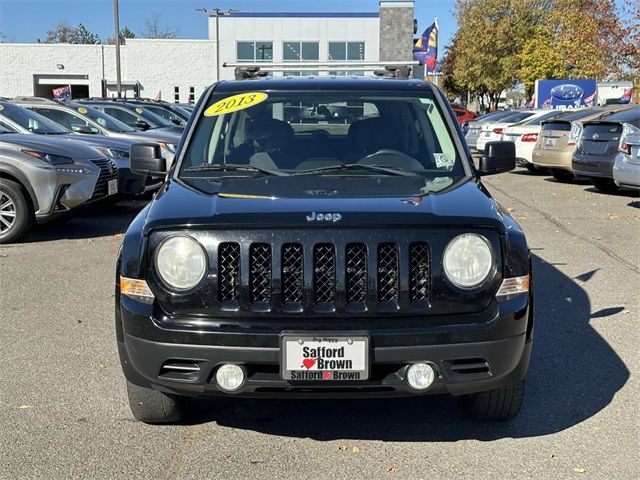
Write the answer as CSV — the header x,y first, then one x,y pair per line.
x,y
490,352
593,166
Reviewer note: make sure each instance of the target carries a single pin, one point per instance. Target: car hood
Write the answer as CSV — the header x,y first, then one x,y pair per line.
x,y
155,135
100,141
54,144
288,201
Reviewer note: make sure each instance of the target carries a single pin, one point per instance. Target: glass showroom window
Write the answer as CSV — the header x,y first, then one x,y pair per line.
x,y
301,52
341,51
254,51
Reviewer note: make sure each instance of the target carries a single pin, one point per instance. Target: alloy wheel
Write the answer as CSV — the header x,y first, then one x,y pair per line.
x,y
7,213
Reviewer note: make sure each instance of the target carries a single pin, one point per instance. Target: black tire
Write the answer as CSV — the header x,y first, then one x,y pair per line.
x,y
151,406
18,212
563,175
497,405
605,185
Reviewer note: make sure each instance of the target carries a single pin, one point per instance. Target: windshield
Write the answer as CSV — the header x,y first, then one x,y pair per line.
x,y
102,119
323,133
540,118
31,121
152,118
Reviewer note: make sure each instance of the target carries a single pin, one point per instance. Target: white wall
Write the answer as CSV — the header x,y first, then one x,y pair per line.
x,y
159,66
284,29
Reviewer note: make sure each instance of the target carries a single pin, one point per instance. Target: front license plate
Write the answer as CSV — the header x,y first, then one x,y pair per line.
x,y
324,357
112,187
550,142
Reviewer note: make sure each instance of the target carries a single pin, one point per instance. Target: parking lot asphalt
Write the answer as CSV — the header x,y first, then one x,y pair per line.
x,y
64,413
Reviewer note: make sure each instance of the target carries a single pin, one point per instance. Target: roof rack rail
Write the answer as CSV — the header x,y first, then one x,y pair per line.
x,y
401,72
245,73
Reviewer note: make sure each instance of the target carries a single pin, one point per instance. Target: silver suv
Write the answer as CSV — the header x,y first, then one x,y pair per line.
x,y
43,177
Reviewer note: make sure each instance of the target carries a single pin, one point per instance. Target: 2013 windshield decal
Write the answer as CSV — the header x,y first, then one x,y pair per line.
x,y
324,217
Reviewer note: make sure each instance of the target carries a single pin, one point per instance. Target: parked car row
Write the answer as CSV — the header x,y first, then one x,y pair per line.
x,y
599,143
56,156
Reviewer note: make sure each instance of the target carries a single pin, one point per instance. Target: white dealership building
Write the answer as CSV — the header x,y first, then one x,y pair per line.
x,y
180,69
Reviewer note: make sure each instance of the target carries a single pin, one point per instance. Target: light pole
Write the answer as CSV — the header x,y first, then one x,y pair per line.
x,y
116,22
217,12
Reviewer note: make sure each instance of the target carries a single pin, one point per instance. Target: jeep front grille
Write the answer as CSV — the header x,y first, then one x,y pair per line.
x,y
295,277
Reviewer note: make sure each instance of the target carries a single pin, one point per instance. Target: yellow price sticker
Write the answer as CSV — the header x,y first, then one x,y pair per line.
x,y
1,108
82,110
235,103
139,110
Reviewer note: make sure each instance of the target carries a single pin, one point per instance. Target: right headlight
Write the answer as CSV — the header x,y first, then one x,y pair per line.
x,y
468,260
181,262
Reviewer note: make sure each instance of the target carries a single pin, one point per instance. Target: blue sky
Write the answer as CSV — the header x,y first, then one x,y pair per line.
x,y
24,21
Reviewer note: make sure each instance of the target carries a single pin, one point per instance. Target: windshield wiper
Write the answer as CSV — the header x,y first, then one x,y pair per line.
x,y
233,167
355,166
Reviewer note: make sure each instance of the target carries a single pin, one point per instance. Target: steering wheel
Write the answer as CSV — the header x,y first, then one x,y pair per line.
x,y
392,158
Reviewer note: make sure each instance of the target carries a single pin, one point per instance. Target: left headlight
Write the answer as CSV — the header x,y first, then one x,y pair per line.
x,y
181,262
114,153
49,157
468,260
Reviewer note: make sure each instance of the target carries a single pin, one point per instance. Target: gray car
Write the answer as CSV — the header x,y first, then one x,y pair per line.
x,y
596,151
21,120
83,118
42,177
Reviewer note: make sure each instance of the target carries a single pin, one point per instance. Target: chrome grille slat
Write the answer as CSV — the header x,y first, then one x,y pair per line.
x,y
419,271
260,272
292,273
388,272
108,171
324,273
356,273
228,272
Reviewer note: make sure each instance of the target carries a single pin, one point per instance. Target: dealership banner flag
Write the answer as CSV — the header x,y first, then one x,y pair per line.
x,y
426,48
62,93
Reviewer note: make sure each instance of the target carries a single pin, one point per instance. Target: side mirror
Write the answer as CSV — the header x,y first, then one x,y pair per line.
x,y
83,129
146,160
498,157
141,124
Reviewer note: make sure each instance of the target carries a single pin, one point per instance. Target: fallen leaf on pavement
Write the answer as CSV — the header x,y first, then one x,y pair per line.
x,y
579,469
342,447
355,450
392,469
24,407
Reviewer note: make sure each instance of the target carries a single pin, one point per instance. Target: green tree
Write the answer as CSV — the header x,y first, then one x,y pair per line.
x,y
124,34
84,36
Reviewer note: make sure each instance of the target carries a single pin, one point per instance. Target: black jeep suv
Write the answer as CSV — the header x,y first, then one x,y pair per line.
x,y
323,237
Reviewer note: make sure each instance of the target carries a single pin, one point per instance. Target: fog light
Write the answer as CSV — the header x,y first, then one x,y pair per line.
x,y
420,376
230,377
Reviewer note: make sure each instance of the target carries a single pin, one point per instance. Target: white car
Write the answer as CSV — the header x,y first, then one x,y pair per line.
x,y
525,135
492,131
626,169
473,131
